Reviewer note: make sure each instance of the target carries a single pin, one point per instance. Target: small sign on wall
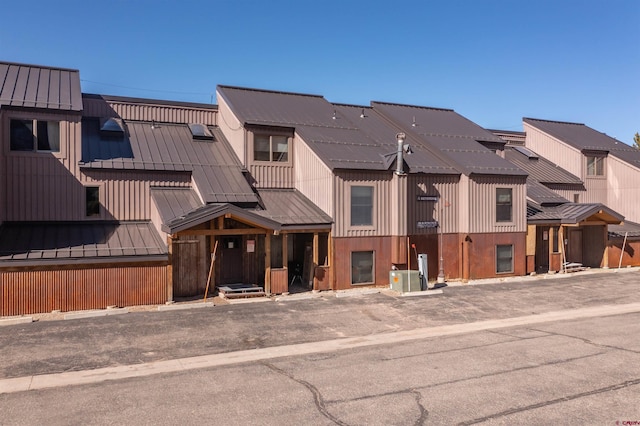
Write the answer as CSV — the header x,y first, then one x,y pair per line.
x,y
251,246
425,225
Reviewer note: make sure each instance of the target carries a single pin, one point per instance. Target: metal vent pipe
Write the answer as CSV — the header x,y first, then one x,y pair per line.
x,y
399,161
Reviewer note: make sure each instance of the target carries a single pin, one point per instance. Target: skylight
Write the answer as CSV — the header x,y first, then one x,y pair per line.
x,y
527,152
200,131
112,127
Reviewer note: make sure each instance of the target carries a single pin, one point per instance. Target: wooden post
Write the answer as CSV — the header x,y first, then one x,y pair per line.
x,y
285,249
316,256
605,255
552,233
170,270
267,263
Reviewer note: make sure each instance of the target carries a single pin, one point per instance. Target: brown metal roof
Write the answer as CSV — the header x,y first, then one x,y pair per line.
x,y
542,195
215,168
572,213
336,133
585,138
629,229
539,168
457,138
79,241
292,209
33,86
174,202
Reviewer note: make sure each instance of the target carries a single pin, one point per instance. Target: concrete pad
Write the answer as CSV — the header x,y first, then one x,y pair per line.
x,y
301,296
96,313
15,320
248,300
422,293
183,306
356,292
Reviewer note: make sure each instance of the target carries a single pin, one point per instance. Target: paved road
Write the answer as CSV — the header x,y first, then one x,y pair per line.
x,y
583,369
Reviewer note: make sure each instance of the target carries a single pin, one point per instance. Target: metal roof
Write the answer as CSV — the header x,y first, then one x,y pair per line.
x,y
456,137
335,132
539,168
630,229
34,86
215,168
585,138
542,195
291,209
209,212
174,202
79,241
573,213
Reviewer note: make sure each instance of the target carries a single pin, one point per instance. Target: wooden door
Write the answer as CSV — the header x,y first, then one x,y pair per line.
x,y
186,267
230,261
574,249
542,249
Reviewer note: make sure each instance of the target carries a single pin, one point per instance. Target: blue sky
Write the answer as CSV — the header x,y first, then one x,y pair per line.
x,y
493,61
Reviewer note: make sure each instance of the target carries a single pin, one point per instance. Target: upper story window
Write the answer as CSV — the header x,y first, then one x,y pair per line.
x,y
504,205
361,205
92,201
595,165
274,148
35,135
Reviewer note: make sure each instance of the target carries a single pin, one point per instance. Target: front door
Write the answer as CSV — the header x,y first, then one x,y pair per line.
x,y
542,249
574,249
230,261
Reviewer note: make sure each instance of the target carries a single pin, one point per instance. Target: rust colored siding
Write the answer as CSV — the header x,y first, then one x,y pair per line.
x,y
631,255
381,247
27,292
147,111
482,254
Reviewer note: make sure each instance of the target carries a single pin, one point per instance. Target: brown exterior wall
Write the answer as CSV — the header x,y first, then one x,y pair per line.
x,y
28,292
381,246
631,256
482,253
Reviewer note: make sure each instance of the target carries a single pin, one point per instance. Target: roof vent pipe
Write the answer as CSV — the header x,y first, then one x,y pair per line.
x,y
399,161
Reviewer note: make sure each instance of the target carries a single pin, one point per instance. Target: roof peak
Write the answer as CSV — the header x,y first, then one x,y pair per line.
x,y
48,67
411,106
552,121
278,92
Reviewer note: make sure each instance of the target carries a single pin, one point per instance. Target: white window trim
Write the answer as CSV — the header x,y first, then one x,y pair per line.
x,y
271,134
21,115
495,204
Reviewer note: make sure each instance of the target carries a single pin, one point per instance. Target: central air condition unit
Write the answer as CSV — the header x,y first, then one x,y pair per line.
x,y
404,281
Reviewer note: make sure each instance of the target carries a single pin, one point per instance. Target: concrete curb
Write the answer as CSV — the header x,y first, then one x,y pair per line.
x,y
16,320
179,307
97,313
422,293
355,293
248,300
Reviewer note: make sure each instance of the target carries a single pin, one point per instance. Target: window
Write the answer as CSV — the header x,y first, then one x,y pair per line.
x,y
35,135
273,148
362,267
503,204
595,165
576,198
504,259
361,205
92,200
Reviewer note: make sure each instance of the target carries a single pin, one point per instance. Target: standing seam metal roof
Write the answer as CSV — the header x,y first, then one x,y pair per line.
x,y
34,86
585,138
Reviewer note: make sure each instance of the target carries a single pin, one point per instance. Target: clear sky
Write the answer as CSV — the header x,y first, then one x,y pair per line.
x,y
493,61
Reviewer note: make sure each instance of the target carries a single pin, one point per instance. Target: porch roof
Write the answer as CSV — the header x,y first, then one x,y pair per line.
x,y
575,213
630,229
292,209
33,243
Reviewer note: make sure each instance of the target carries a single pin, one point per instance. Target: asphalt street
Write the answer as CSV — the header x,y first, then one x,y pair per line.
x,y
507,359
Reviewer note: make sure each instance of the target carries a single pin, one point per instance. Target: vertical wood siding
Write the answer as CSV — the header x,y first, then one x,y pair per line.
x,y
551,148
272,175
149,112
312,177
28,292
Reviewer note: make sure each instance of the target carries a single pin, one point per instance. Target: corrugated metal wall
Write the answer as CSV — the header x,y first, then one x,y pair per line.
x,y
44,186
383,203
445,211
558,152
623,192
272,175
312,177
27,292
126,194
149,112
482,204
233,129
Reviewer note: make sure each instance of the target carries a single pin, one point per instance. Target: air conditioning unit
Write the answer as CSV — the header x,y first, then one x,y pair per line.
x,y
404,281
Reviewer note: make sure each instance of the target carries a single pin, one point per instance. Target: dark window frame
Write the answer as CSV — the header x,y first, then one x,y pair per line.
x,y
92,201
34,135
501,259
361,213
363,275
504,209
